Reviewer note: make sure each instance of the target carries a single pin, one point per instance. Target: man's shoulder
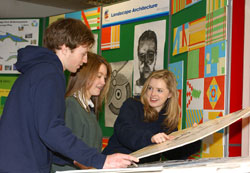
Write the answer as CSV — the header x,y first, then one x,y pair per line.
x,y
46,69
45,72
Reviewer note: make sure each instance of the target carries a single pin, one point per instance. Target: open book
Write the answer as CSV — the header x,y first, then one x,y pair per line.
x,y
182,137
192,134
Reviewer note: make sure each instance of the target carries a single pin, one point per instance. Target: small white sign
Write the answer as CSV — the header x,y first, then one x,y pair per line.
x,y
133,10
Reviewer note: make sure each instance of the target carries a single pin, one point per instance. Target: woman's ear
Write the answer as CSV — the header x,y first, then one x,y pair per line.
x,y
169,95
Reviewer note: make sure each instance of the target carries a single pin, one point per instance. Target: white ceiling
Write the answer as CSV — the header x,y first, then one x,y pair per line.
x,y
74,4
66,4
44,8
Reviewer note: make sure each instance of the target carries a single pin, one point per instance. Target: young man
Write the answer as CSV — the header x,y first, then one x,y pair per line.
x,y
32,128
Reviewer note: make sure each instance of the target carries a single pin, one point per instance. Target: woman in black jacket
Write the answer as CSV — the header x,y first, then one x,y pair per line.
x,y
149,119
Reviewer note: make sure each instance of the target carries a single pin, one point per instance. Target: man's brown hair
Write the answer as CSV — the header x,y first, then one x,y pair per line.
x,y
71,32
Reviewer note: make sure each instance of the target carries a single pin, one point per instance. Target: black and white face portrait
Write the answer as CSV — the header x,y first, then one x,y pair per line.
x,y
149,43
147,55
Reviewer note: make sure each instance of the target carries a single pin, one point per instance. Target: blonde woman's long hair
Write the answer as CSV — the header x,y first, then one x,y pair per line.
x,y
83,79
171,107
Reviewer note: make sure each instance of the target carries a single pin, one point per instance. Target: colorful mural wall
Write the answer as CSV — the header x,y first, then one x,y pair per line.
x,y
202,43
198,45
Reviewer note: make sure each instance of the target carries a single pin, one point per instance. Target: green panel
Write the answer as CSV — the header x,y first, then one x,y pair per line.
x,y
41,28
215,54
6,82
193,64
189,14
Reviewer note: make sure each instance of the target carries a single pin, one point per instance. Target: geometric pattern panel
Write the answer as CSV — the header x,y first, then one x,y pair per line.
x,y
195,63
188,3
213,5
216,26
197,33
55,18
91,17
194,94
214,93
74,15
177,69
212,146
211,115
215,59
178,5
180,105
193,116
181,39
110,37
105,141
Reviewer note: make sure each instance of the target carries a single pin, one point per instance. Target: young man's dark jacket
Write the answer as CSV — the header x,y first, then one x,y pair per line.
x,y
32,125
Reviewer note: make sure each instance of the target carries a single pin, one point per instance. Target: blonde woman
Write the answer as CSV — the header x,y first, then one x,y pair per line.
x,y
149,119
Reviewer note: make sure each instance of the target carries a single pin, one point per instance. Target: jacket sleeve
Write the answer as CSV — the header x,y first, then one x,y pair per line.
x,y
49,105
126,126
61,160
